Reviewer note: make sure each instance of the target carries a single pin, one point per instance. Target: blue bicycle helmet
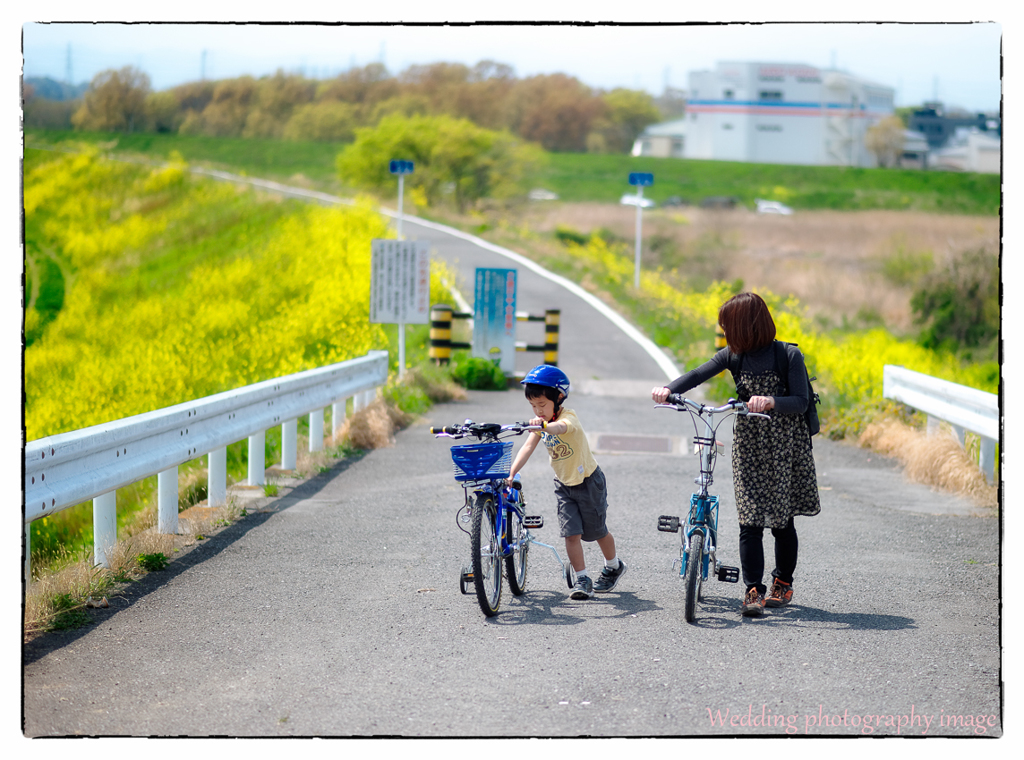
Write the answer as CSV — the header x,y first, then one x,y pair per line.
x,y
547,375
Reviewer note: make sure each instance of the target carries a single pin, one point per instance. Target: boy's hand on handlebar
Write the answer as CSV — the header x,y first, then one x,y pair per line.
x,y
660,395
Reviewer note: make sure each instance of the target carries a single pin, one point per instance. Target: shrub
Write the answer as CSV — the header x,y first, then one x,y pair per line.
x,y
479,374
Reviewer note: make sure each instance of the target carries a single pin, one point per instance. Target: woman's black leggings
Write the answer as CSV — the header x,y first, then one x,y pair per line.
x,y
752,554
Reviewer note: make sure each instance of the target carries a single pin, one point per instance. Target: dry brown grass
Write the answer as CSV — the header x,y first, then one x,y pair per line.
x,y
937,460
830,260
76,578
372,427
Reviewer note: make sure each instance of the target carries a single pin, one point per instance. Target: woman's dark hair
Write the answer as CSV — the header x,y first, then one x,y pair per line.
x,y
747,323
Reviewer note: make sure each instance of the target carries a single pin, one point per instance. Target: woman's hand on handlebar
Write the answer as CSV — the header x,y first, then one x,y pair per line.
x,y
660,395
760,404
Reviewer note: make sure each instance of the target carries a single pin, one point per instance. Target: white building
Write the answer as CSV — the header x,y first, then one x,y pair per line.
x,y
969,150
665,140
786,113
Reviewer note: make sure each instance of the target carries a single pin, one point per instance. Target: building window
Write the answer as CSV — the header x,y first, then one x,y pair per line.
x,y
727,126
769,128
728,94
772,79
773,96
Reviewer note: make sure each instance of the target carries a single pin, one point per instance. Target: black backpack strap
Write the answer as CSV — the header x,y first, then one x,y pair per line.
x,y
782,361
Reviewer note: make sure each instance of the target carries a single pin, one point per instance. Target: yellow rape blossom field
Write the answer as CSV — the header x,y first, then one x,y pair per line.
x,y
172,288
848,367
289,297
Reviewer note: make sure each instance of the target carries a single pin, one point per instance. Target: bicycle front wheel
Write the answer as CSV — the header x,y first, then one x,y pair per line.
x,y
515,563
486,551
694,565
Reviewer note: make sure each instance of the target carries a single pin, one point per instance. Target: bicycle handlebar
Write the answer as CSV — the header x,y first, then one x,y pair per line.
x,y
482,429
680,403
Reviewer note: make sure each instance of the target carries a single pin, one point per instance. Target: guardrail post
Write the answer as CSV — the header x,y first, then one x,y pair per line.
x,y
167,501
337,416
552,317
258,458
104,527
987,458
362,400
289,443
316,430
28,554
217,477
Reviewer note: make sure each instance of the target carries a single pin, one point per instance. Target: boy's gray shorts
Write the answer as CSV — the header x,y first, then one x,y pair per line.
x,y
582,509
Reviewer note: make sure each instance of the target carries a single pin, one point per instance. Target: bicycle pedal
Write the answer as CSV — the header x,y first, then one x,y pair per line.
x,y
533,521
668,524
728,574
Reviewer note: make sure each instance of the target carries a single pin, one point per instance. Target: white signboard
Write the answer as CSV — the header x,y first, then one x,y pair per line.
x,y
400,282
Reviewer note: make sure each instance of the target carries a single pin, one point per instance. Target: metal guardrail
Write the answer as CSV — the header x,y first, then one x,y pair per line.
x,y
962,407
64,470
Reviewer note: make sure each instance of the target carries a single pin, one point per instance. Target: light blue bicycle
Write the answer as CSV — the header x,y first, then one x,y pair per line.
x,y
700,529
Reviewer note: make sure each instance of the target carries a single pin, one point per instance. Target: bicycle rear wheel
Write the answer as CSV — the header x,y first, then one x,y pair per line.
x,y
694,564
515,563
486,551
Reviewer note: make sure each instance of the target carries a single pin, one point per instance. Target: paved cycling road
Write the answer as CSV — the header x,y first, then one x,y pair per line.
x,y
334,609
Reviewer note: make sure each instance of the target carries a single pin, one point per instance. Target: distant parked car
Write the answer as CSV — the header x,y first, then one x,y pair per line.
x,y
634,200
772,207
539,194
719,201
675,200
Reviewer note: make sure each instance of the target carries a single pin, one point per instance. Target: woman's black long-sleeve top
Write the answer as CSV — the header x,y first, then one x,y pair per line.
x,y
756,362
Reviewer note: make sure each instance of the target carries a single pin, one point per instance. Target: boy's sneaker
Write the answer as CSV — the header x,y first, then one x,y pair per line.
x,y
779,595
584,588
609,578
753,603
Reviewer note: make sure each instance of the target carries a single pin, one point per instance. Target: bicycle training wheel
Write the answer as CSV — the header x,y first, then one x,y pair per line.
x,y
483,543
693,575
515,563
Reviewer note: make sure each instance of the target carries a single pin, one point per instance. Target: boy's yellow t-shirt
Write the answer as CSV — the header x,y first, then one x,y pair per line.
x,y
569,452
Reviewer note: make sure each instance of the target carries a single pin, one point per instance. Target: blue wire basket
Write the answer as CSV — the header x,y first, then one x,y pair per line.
x,y
482,461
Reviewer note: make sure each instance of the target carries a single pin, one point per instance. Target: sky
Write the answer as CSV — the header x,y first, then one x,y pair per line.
x,y
957,63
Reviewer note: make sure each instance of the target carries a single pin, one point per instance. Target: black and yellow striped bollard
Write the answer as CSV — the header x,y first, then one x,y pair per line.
x,y
549,348
440,349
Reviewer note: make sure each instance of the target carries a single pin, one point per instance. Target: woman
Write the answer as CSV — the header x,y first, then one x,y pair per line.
x,y
773,466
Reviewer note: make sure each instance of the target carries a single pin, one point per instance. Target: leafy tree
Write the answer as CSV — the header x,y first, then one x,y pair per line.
x,y
327,121
628,113
163,111
885,140
958,306
556,111
364,86
114,102
276,99
227,111
449,154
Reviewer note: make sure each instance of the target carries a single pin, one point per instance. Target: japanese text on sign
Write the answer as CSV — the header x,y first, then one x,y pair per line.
x,y
399,282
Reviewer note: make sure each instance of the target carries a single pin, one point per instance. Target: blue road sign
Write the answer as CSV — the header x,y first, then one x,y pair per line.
x,y
401,167
642,179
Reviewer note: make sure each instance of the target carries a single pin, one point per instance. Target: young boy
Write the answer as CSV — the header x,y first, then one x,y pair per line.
x,y
580,487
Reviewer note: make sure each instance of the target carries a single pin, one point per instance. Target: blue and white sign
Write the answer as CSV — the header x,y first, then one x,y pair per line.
x,y
641,179
494,317
401,167
399,282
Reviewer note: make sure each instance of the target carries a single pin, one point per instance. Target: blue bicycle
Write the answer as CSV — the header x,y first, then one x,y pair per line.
x,y
495,510
700,530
